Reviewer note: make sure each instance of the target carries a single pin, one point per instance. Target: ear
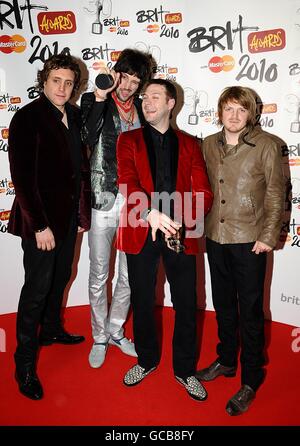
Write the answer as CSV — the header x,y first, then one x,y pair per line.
x,y
171,104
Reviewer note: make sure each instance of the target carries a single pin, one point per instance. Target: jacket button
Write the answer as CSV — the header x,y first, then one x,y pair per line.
x,y
222,220
221,181
223,201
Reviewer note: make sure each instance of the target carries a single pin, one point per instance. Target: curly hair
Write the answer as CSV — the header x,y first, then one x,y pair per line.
x,y
55,63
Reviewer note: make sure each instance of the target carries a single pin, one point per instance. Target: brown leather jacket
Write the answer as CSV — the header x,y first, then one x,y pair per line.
x,y
248,187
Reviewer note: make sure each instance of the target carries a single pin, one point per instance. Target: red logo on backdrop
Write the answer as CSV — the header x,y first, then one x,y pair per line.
x,y
224,63
4,215
56,22
175,17
15,43
298,230
271,40
268,108
15,100
4,133
294,162
153,28
114,55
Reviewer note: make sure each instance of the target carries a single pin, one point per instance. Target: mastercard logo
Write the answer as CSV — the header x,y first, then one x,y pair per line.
x,y
99,65
15,43
217,64
294,162
113,29
153,28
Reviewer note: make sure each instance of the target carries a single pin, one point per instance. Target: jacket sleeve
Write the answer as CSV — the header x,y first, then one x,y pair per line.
x,y
200,182
274,195
92,119
128,176
23,156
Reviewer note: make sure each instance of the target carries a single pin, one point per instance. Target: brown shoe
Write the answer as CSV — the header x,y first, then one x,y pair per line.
x,y
241,401
214,370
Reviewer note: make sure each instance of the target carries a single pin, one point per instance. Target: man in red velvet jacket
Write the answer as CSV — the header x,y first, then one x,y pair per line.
x,y
50,172
154,164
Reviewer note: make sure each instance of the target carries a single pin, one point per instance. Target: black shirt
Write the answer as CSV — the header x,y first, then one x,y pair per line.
x,y
165,181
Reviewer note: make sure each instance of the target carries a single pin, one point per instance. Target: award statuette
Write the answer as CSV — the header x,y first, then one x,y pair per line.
x,y
175,241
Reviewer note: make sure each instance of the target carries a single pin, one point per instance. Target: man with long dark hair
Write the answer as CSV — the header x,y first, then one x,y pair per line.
x,y
106,113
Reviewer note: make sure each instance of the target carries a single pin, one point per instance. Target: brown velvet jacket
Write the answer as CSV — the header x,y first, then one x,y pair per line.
x,y
42,172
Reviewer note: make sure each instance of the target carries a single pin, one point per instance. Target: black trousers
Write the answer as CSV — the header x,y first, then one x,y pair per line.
x,y
46,276
181,274
237,279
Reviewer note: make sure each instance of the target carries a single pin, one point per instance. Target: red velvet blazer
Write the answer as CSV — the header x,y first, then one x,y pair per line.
x,y
42,172
136,170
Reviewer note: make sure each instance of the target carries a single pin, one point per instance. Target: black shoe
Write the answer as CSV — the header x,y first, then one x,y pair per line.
x,y
214,370
29,384
61,338
241,401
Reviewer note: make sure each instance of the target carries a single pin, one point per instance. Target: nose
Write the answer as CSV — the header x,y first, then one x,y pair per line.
x,y
126,84
62,86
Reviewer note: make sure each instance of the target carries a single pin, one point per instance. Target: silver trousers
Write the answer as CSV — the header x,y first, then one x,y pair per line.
x,y
100,238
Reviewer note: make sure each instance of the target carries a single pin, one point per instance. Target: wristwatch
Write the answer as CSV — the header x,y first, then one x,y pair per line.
x,y
145,213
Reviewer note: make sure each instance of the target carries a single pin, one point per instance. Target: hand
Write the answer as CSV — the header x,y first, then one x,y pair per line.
x,y
158,220
45,240
102,94
261,247
80,229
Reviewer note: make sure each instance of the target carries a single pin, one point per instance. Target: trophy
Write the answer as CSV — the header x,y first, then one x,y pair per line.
x,y
97,27
193,117
295,126
174,242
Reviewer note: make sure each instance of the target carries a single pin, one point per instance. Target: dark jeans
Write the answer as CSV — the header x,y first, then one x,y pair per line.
x,y
181,274
237,279
46,276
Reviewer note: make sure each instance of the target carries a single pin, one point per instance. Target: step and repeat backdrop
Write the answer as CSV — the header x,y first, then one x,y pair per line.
x,y
204,47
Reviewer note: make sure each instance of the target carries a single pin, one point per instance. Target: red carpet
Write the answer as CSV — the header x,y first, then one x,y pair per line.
x,y
76,395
